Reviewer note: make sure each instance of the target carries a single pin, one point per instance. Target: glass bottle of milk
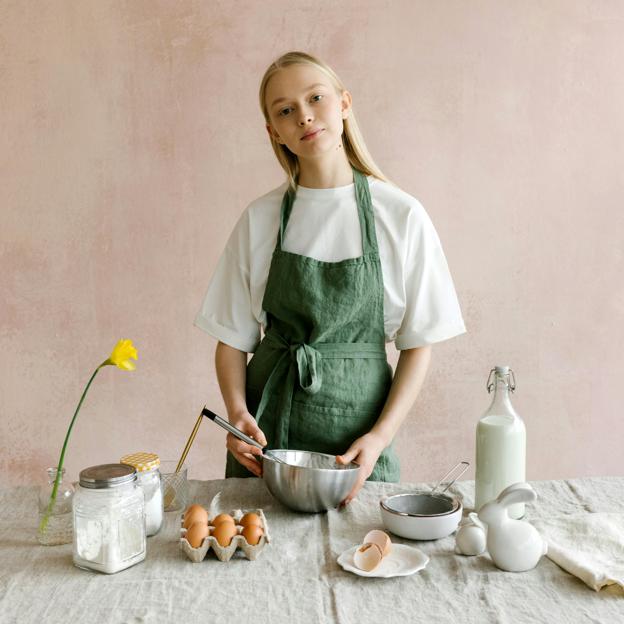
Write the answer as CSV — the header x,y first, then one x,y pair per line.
x,y
501,443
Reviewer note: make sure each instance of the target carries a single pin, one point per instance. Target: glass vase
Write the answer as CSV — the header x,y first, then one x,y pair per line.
x,y
58,528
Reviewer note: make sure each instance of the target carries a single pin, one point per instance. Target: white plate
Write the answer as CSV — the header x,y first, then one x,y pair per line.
x,y
402,560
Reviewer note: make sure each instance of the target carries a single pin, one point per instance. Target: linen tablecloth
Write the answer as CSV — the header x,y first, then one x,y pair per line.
x,y
296,578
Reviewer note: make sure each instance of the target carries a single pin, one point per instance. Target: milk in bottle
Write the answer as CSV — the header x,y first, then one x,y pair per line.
x,y
501,443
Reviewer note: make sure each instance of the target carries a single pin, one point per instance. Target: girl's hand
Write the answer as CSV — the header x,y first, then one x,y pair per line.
x,y
242,451
364,451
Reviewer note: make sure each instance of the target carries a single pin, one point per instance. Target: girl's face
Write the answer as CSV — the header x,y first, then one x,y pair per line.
x,y
306,103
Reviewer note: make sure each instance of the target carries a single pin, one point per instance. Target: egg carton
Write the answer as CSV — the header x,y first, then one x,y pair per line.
x,y
225,553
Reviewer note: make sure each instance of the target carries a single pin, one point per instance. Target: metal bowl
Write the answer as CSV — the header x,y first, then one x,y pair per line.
x,y
421,515
308,481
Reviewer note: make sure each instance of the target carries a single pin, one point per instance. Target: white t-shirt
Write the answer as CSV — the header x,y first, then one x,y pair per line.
x,y
420,303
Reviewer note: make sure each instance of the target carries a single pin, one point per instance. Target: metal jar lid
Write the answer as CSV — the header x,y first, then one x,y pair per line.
x,y
107,476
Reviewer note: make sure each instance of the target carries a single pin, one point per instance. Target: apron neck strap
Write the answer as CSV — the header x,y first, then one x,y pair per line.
x,y
365,213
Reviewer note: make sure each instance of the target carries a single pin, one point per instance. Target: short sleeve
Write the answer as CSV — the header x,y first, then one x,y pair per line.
x,y
432,312
226,311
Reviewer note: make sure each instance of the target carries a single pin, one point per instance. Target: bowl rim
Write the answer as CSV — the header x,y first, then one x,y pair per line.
x,y
457,505
350,467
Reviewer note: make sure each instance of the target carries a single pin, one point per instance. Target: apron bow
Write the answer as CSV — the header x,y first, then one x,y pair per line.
x,y
308,361
297,360
302,363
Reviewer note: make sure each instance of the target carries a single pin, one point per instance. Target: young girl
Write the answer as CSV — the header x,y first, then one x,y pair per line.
x,y
332,264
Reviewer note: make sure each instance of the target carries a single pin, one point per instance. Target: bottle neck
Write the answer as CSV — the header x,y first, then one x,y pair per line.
x,y
52,472
501,400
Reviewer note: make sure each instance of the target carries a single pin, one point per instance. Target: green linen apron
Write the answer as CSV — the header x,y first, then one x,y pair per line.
x,y
320,376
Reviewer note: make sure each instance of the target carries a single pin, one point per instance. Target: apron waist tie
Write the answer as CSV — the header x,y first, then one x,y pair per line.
x,y
302,363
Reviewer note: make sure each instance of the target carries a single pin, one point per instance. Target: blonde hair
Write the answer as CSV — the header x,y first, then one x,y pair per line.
x,y
353,141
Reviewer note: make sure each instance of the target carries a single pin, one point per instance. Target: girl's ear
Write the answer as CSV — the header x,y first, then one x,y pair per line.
x,y
272,134
346,104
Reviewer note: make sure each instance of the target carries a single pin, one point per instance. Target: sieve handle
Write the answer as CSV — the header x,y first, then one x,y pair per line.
x,y
465,465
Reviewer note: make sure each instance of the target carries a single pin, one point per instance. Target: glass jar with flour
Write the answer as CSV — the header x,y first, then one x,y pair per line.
x,y
109,519
148,475
501,443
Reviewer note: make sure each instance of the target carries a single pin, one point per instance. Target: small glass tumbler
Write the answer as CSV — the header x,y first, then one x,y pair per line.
x,y
174,485
56,528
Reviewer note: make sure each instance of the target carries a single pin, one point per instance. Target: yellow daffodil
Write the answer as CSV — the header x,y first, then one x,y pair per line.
x,y
120,357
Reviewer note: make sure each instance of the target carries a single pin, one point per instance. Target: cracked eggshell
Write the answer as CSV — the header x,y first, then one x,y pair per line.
x,y
380,539
367,556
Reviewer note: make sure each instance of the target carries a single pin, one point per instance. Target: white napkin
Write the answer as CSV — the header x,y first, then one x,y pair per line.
x,y
589,545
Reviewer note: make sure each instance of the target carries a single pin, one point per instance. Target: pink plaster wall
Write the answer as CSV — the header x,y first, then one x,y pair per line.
x,y
132,141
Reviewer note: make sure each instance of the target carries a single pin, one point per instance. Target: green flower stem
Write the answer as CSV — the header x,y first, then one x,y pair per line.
x,y
59,468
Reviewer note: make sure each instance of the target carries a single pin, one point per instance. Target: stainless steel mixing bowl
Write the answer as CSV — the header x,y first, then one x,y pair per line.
x,y
308,481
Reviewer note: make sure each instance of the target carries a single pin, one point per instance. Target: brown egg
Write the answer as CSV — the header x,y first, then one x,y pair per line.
x,y
252,534
251,519
193,514
196,533
222,518
224,532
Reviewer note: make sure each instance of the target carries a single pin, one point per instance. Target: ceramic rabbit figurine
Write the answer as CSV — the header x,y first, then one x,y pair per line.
x,y
514,545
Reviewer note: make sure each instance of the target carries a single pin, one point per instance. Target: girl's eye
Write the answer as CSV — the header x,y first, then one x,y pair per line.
x,y
283,111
